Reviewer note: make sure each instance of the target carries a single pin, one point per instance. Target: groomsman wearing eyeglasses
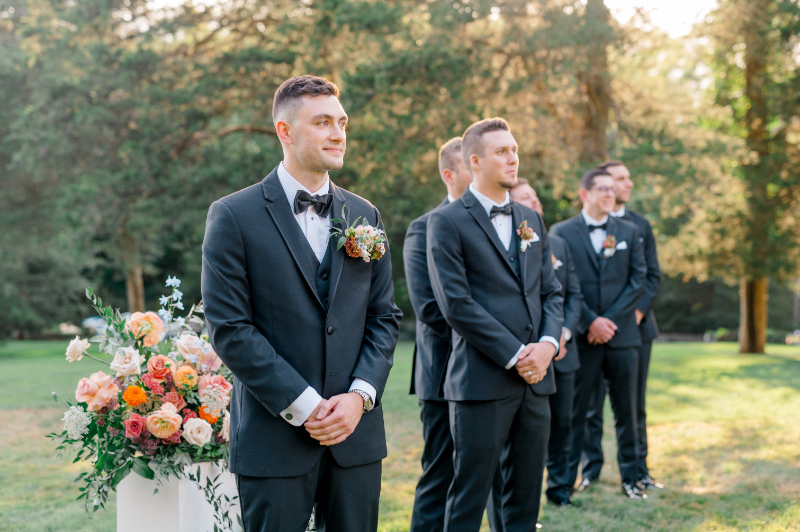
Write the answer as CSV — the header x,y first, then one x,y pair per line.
x,y
609,260
434,338
593,449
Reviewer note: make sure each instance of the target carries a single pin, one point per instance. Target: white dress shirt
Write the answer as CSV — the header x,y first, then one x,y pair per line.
x,y
597,236
450,198
503,225
317,231
618,214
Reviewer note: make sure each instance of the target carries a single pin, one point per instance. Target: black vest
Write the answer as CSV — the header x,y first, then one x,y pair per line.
x,y
323,278
513,254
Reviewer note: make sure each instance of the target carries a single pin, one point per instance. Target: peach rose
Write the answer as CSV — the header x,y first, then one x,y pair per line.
x,y
96,391
160,366
208,380
165,422
208,361
186,377
176,399
147,326
189,346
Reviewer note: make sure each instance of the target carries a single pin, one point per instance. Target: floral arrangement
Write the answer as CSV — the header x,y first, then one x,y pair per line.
x,y
162,406
360,241
527,236
609,246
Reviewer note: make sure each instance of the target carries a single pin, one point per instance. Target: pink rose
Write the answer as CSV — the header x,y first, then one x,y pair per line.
x,y
208,361
96,391
134,426
175,398
165,422
160,366
208,380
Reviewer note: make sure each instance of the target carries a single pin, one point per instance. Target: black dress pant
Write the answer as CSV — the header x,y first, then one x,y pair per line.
x,y
344,499
592,443
620,369
437,467
516,427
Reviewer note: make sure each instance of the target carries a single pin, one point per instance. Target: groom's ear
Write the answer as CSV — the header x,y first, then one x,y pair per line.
x,y
282,129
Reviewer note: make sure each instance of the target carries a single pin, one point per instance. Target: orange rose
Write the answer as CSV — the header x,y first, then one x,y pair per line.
x,y
96,391
186,377
148,327
160,366
165,422
208,417
134,395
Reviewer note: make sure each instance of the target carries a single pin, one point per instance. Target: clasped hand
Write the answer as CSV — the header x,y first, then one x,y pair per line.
x,y
335,419
534,360
601,331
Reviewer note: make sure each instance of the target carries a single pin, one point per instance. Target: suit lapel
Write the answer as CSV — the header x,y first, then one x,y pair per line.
x,y
580,227
337,260
281,213
516,219
479,213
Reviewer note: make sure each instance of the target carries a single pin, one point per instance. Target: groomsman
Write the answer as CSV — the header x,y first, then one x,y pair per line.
x,y
647,328
434,338
497,289
308,331
610,265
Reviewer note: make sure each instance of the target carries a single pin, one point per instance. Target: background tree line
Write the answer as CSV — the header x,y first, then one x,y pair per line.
x,y
122,120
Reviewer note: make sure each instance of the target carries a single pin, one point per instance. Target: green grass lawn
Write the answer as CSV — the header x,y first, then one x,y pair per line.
x,y
724,435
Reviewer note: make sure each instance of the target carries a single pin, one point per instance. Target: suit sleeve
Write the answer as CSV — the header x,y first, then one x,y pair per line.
x,y
551,294
653,279
382,325
420,290
229,314
451,288
573,297
626,301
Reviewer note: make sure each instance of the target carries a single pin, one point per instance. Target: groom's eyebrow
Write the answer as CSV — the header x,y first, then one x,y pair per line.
x,y
329,117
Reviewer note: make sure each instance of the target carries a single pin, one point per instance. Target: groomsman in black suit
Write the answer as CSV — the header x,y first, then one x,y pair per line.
x,y
497,289
647,328
434,338
610,264
308,331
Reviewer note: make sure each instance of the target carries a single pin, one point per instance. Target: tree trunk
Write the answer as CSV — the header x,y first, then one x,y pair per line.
x,y
753,315
134,281
596,84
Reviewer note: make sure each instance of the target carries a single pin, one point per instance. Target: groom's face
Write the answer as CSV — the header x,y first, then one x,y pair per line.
x,y
500,162
318,133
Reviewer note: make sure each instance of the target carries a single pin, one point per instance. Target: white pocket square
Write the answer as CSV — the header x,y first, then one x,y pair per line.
x,y
622,245
535,237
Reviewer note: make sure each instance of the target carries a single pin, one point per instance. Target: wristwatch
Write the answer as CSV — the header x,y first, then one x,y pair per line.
x,y
367,399
567,334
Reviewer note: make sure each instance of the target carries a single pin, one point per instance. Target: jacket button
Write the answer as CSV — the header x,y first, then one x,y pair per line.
x,y
324,276
529,327
330,330
511,259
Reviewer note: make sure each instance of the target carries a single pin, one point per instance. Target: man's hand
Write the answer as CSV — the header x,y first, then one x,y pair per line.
x,y
313,415
562,350
336,418
601,331
534,361
639,316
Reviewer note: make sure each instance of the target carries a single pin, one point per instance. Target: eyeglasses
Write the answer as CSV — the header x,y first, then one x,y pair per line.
x,y
606,190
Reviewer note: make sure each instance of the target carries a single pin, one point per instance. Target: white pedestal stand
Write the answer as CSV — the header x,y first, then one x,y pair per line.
x,y
178,507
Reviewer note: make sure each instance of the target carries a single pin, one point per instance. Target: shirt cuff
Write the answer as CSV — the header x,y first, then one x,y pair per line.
x,y
297,413
514,360
364,386
552,341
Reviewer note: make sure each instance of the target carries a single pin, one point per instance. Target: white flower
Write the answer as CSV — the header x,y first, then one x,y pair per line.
x,y
76,349
165,316
127,361
524,245
173,281
609,252
215,399
180,322
197,431
558,264
226,426
189,345
177,295
76,422
163,300
179,305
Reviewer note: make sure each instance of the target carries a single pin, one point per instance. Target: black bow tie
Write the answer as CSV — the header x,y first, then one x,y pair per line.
x,y
601,227
497,211
321,203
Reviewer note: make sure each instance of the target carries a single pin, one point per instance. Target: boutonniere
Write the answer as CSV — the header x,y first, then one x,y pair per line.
x,y
359,240
527,236
556,263
609,246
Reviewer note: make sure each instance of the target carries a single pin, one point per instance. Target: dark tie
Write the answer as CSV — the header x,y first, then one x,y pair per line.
x,y
497,211
321,203
601,227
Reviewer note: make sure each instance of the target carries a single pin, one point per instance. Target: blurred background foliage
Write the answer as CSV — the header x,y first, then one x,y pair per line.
x,y
122,120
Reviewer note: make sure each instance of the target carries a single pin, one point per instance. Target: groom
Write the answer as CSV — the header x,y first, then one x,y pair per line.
x,y
308,331
497,290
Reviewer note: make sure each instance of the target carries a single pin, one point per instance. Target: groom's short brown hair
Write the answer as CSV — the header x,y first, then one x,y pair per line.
x,y
288,95
473,137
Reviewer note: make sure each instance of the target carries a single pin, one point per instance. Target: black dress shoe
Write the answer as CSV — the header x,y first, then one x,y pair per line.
x,y
648,483
560,500
586,483
632,491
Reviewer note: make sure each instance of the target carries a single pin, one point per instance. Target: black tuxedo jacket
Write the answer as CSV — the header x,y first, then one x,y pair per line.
x,y
647,328
611,286
268,325
573,301
434,335
491,310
